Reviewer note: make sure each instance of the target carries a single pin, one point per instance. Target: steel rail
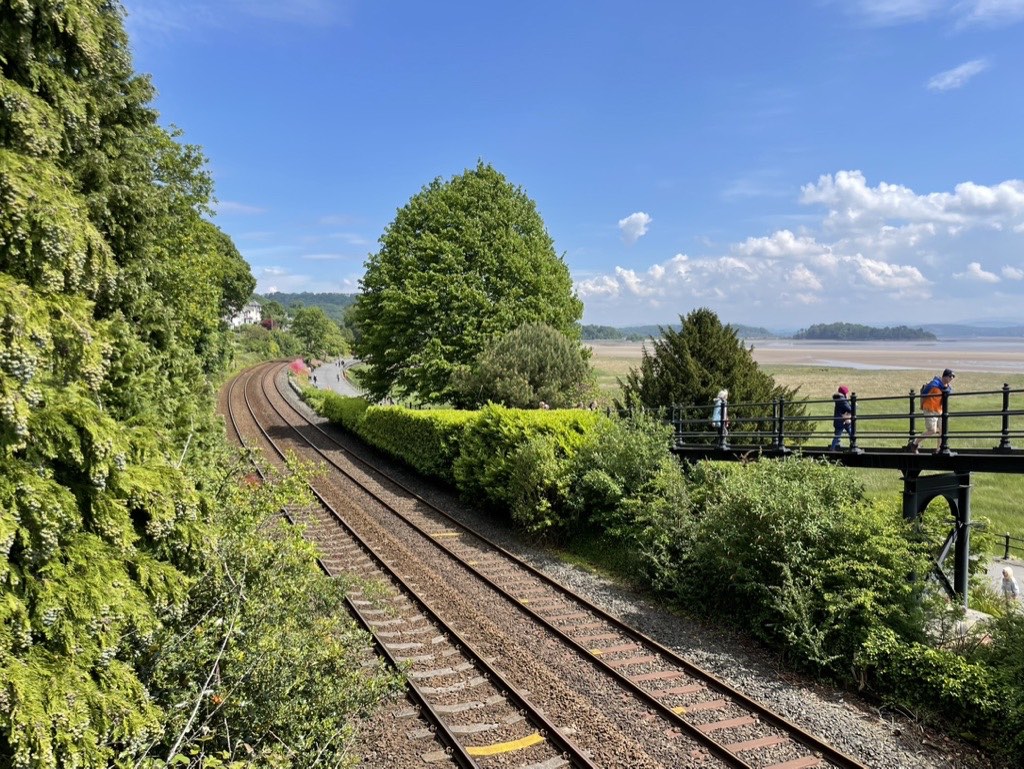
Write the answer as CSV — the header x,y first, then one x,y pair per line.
x,y
546,728
797,734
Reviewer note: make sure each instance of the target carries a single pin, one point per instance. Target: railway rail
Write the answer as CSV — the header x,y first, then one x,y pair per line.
x,y
710,722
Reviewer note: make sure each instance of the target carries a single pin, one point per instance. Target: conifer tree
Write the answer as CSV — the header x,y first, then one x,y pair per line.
x,y
691,365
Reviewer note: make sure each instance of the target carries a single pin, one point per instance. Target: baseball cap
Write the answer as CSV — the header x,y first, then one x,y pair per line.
x,y
948,372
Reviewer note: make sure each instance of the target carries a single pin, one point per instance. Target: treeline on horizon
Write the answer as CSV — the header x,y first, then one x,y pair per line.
x,y
336,305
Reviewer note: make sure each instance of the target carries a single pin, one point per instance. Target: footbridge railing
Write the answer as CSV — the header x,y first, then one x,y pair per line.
x,y
984,420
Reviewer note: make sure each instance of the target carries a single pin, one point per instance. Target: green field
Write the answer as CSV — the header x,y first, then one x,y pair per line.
x,y
999,498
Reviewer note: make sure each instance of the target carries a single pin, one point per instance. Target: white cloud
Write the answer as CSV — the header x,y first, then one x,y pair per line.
x,y
958,76
974,272
993,11
162,21
228,207
889,12
871,248
893,12
634,226
853,205
1013,273
782,243
801,277
892,278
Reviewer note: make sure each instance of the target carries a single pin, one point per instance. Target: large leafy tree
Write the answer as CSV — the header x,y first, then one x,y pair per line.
x,y
690,366
531,364
464,261
320,336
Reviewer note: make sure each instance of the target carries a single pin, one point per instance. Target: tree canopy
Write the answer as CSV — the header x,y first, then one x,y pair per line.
x,y
320,336
464,261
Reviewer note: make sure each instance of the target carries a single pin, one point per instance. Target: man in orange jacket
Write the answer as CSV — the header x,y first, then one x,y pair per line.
x,y
931,405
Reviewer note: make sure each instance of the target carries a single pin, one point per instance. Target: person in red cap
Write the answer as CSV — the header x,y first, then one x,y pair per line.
x,y
931,405
842,415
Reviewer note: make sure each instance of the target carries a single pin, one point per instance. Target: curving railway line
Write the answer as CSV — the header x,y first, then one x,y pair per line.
x,y
505,666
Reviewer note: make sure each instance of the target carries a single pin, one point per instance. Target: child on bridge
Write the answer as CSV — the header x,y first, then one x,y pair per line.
x,y
842,416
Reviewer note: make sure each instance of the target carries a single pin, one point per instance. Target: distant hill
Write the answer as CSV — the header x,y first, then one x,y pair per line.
x,y
957,331
856,332
332,304
642,333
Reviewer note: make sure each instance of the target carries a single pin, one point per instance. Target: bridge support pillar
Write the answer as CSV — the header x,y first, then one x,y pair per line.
x,y
955,488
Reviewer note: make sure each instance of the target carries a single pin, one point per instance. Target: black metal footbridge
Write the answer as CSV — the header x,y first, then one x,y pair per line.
x,y
975,432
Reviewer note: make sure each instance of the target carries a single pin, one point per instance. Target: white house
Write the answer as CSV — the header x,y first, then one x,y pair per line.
x,y
250,314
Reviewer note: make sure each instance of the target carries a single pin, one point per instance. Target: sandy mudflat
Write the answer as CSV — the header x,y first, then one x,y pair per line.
x,y
1004,355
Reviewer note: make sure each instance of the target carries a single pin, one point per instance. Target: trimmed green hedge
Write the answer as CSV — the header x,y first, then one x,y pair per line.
x,y
428,441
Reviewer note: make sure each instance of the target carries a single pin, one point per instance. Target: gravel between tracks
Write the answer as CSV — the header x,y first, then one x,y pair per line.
x,y
879,738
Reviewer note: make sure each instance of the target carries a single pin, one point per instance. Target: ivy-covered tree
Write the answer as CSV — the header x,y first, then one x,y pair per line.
x,y
531,364
464,261
691,365
114,475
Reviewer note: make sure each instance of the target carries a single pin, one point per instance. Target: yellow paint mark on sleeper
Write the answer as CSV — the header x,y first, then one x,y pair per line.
x,y
448,534
506,747
597,652
679,710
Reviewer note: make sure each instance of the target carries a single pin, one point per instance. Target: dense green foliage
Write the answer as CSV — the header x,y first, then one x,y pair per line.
x,y
790,551
320,336
335,306
691,365
856,332
428,440
531,365
464,261
261,343
129,561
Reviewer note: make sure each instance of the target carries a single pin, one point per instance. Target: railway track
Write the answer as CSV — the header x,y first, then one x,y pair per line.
x,y
706,721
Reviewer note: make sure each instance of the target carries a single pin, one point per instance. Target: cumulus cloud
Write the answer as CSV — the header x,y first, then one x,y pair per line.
x,y
781,244
871,248
853,204
634,226
958,76
974,272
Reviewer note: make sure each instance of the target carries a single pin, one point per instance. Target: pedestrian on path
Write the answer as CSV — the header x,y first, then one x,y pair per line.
x,y
1009,585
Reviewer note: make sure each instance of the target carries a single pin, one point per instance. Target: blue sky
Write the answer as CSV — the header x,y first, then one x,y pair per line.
x,y
783,163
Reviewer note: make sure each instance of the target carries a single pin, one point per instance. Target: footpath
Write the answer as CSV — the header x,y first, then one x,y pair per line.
x,y
332,376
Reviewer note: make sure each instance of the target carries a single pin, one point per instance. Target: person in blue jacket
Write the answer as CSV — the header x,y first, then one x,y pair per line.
x,y
842,415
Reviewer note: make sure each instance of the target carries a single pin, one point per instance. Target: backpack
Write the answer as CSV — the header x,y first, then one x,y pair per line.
x,y
927,386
